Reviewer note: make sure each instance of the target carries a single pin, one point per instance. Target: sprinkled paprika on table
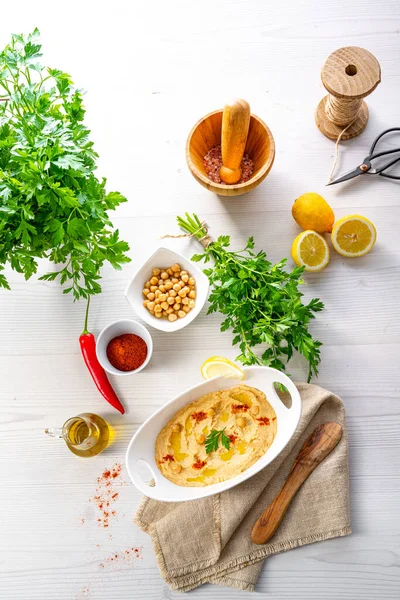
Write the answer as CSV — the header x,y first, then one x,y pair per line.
x,y
127,352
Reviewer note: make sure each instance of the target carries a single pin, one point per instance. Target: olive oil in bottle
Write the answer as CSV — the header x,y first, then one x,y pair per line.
x,y
85,435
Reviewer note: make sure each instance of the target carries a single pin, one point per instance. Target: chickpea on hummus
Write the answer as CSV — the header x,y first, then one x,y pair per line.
x,y
216,437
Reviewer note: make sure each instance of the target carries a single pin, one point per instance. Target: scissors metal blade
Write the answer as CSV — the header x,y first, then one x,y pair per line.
x,y
349,175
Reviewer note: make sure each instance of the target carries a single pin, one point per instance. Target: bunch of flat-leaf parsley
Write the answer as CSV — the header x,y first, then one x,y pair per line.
x,y
51,203
261,301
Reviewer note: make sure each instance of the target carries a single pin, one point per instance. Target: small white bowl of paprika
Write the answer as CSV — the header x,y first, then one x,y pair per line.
x,y
124,347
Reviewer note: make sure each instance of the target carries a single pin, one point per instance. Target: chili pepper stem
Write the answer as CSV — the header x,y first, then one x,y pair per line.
x,y
85,329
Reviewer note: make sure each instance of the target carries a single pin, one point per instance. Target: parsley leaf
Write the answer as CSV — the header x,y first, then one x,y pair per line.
x,y
261,302
51,203
213,438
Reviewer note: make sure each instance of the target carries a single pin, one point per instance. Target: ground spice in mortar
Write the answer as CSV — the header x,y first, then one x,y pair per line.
x,y
127,352
213,162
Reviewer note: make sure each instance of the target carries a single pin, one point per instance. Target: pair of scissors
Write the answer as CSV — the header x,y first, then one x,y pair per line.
x,y
366,166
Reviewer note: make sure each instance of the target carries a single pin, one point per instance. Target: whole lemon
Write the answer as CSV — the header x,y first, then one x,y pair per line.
x,y
311,211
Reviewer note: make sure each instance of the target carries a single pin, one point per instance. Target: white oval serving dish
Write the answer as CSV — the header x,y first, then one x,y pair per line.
x,y
163,257
142,446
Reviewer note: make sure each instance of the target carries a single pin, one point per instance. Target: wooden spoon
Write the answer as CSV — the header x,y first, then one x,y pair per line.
x,y
316,447
235,127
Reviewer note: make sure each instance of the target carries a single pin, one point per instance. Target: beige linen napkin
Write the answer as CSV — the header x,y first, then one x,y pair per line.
x,y
208,540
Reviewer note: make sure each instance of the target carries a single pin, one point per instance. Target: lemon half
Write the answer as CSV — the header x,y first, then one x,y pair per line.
x,y
310,250
353,235
218,365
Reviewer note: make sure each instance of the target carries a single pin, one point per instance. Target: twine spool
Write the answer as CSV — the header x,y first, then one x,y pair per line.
x,y
349,75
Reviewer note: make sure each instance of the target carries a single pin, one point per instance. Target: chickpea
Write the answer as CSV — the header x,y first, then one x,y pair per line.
x,y
169,311
164,305
164,313
157,293
151,312
176,287
241,422
171,301
162,288
175,268
153,288
183,273
150,305
186,309
157,308
192,281
176,427
172,293
177,307
192,304
146,291
172,317
254,409
185,278
182,293
178,299
181,314
150,296
174,280
200,438
164,275
160,282
154,281
175,468
163,297
147,284
210,412
192,294
156,271
168,285
185,300
170,271
145,303
158,315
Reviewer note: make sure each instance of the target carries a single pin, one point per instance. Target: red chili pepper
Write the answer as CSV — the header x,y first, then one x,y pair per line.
x,y
88,348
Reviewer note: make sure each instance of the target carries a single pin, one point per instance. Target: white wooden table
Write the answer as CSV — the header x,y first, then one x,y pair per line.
x,y
151,70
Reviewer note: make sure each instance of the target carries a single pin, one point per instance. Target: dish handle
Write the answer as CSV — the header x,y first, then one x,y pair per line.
x,y
294,411
137,477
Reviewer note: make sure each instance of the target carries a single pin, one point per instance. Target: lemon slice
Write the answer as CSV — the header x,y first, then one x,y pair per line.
x,y
353,235
218,365
310,250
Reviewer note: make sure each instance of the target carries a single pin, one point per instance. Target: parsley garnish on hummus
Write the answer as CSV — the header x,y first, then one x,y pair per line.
x,y
212,440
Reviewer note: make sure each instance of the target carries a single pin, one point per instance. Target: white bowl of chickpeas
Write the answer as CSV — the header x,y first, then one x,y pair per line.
x,y
168,291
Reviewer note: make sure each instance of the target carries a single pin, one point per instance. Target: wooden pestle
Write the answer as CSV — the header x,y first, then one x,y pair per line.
x,y
235,127
316,447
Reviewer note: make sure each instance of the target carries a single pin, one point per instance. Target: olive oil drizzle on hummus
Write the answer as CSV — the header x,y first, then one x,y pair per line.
x,y
248,420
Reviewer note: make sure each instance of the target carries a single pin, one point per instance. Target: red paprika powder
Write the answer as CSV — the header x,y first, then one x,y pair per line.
x,y
127,352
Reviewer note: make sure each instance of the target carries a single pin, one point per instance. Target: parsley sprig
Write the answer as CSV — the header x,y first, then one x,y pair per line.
x,y
261,301
51,203
213,438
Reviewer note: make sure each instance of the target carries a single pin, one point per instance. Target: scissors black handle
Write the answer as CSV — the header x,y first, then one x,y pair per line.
x,y
372,155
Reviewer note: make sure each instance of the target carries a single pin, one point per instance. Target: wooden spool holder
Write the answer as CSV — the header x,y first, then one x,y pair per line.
x,y
350,74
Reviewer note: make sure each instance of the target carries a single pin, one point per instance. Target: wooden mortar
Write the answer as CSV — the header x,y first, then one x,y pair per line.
x,y
206,134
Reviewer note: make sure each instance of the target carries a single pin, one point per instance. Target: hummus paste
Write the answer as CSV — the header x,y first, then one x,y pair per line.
x,y
247,420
